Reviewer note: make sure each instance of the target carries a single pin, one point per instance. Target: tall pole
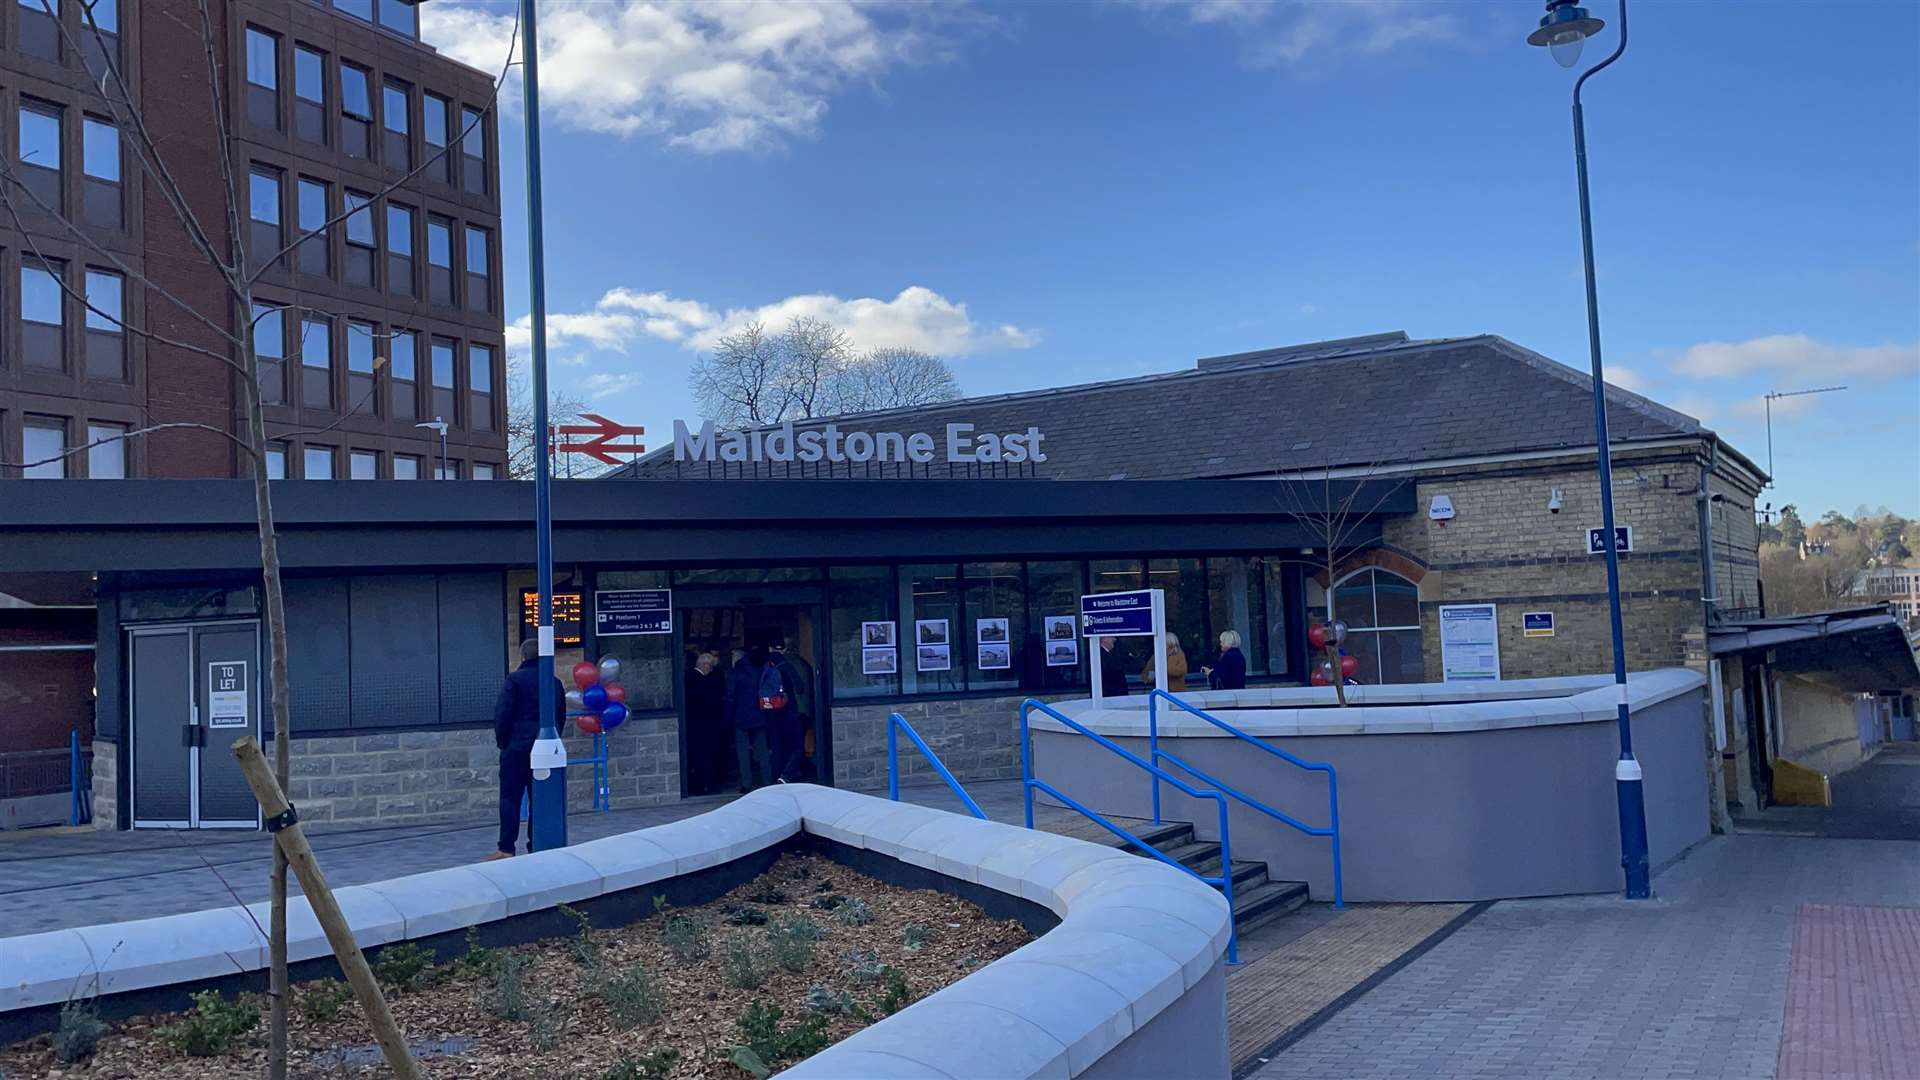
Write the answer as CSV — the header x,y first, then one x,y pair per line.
x,y
1626,771
547,816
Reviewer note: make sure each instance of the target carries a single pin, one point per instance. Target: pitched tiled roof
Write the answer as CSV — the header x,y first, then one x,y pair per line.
x,y
1375,401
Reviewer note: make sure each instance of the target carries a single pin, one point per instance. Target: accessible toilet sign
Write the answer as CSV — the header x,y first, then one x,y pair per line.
x,y
1120,614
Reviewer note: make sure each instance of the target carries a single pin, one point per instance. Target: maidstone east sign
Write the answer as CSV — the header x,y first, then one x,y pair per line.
x,y
961,445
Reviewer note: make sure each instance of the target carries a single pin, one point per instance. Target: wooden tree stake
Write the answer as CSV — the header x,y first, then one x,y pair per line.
x,y
293,841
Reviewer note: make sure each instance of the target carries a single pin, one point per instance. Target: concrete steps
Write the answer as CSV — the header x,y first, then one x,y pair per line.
x,y
1257,898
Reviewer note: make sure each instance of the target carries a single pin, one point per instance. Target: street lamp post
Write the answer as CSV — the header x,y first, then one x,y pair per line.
x,y
1563,31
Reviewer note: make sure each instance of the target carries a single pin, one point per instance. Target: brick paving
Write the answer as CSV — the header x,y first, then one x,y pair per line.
x,y
1853,995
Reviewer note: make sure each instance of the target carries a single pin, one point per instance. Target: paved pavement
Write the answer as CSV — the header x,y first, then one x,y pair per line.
x,y
1877,801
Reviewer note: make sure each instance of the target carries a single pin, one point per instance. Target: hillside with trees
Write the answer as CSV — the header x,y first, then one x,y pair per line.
x,y
1813,567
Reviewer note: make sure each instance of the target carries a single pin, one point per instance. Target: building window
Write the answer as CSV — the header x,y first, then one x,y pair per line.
x,y
276,461
406,467
356,111
480,382
994,641
310,94
933,643
270,348
446,470
473,152
437,114
316,463
263,78
361,377
40,29
314,211
316,362
439,259
363,465
40,155
106,350
1234,603
44,442
396,116
43,323
1185,585
443,383
106,452
400,368
860,595
1382,613
263,209
479,269
399,250
400,17
100,41
1053,593
484,471
362,248
100,199
359,9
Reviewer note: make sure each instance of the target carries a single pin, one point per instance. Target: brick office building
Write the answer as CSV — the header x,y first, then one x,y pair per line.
x,y
390,320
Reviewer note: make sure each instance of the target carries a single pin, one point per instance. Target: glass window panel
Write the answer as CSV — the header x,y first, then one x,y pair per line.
x,y
317,463
1053,592
1400,656
40,298
474,144
360,347
106,14
478,257
399,230
439,241
359,9
363,465
995,642
1116,575
263,197
1184,584
277,461
316,342
435,110
310,75
360,219
395,114
268,335
399,16
313,205
100,149
400,360
1366,649
356,92
103,301
1276,617
42,442
40,136
930,593
751,575
443,364
1233,603
864,594
1353,601
263,64
1396,600
406,468
484,471
106,460
480,369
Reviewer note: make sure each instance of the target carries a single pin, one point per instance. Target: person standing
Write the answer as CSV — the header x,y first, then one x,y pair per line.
x,y
516,724
1176,661
742,707
707,736
781,687
799,677
1113,669
1230,671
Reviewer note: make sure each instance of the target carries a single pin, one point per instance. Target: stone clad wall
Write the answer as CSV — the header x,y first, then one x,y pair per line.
x,y
976,738
106,789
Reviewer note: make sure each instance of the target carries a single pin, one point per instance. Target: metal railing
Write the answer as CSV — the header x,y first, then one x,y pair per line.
x,y
895,723
1028,784
35,772
1332,830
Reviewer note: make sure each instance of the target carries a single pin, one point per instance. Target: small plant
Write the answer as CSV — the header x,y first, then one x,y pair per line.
x,y
406,967
741,966
212,1027
321,1001
790,941
633,997
543,1026
770,897
686,937
864,965
767,1043
828,1001
508,997
854,912
583,948
827,901
895,995
745,915
478,960
650,1066
915,937
79,1033
967,962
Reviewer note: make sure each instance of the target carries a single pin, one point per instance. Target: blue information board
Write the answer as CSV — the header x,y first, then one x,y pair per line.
x,y
632,611
1117,614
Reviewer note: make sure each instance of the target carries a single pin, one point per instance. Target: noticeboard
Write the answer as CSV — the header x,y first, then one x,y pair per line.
x,y
1469,643
1117,614
619,612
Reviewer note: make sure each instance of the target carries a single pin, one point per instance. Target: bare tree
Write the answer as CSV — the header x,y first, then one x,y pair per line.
x,y
224,332
814,357
894,379
1333,512
809,369
738,383
563,407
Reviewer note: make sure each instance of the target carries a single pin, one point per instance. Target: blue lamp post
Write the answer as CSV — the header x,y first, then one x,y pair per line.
x,y
1563,31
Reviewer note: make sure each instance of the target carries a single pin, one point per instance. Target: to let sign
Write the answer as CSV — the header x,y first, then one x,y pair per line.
x,y
227,694
1120,614
632,611
1622,539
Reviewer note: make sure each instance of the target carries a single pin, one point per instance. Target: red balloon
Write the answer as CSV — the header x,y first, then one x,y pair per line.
x,y
615,692
1317,635
1319,678
585,674
1349,665
588,723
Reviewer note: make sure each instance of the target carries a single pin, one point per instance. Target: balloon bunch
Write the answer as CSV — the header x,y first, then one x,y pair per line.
x,y
1328,637
598,695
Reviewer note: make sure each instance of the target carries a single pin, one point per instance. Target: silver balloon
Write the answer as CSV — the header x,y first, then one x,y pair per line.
x,y
609,669
574,703
1339,634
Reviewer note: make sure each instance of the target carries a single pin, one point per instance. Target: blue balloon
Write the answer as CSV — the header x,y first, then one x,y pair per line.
x,y
613,716
594,697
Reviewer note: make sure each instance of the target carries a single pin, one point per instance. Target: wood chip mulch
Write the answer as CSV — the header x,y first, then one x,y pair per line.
x,y
570,1032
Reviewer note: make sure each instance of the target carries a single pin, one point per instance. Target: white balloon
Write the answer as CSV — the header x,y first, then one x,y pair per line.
x,y
574,701
609,669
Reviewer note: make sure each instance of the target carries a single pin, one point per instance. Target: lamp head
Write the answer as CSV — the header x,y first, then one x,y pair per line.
x,y
1564,30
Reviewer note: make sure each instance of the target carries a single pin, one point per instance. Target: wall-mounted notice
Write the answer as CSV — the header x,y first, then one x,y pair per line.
x,y
1469,643
1062,644
227,694
632,611
1118,614
1536,624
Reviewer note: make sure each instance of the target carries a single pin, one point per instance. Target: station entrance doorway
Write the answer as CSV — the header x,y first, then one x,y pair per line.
x,y
734,633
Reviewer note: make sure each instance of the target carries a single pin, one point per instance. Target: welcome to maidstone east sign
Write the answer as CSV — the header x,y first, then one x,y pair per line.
x,y
828,443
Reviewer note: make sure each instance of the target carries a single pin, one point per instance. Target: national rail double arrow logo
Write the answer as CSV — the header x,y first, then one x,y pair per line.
x,y
600,444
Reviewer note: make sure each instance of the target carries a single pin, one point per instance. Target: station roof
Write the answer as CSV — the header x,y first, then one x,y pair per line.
x,y
1855,650
1372,401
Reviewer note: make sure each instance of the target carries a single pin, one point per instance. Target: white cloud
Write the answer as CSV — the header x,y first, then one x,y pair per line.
x,y
918,318
1798,354
1782,407
603,384
708,75
1288,32
1627,379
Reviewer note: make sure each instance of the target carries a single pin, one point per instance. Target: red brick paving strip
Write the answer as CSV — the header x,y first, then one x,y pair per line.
x,y
1853,994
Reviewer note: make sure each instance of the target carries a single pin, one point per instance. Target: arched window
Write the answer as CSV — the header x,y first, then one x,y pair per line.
x,y
1382,613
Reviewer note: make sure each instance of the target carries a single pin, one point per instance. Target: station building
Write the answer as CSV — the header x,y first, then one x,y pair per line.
x,y
1382,480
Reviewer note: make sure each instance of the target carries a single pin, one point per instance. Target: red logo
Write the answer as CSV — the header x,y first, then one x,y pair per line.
x,y
600,444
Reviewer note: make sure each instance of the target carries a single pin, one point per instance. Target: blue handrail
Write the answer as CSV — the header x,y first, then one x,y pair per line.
x,y
1027,785
1332,830
896,722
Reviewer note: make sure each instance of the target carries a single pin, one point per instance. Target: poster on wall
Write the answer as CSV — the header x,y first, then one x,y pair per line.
x,y
227,694
1469,643
995,656
873,634
1060,628
935,657
930,632
882,661
620,612
1063,653
990,631
1536,624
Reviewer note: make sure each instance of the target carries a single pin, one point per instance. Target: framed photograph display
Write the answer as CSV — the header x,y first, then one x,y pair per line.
x,y
995,656
1063,653
935,657
875,634
930,632
1062,628
882,661
990,632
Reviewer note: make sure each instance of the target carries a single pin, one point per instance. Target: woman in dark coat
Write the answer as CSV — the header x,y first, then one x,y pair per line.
x,y
1230,671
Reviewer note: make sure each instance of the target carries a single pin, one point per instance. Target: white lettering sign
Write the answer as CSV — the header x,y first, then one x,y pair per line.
x,y
962,445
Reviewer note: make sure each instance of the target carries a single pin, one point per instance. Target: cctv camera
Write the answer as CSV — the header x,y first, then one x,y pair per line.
x,y
1553,502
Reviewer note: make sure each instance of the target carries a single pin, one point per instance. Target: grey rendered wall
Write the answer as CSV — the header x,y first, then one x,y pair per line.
x,y
1189,1038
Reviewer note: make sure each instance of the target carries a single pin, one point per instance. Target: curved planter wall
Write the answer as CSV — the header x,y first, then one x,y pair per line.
x,y
1448,792
1129,983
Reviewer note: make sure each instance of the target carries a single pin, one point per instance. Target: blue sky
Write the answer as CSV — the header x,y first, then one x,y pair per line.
x,y
1057,193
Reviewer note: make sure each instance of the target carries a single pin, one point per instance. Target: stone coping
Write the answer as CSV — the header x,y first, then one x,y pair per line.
x,y
1385,710
1134,935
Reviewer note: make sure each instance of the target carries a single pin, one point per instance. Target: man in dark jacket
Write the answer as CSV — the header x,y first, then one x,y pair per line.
x,y
743,713
797,674
516,724
1113,669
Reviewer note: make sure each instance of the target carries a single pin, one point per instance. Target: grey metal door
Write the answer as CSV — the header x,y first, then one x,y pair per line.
x,y
194,690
